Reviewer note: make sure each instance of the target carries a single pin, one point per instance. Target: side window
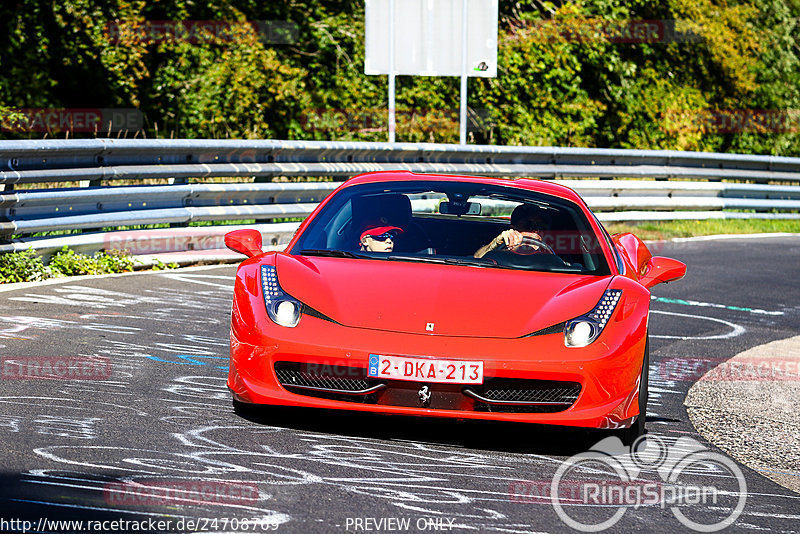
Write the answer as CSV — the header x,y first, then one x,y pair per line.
x,y
610,243
338,231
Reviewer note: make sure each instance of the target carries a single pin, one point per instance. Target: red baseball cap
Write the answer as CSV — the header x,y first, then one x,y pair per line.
x,y
378,230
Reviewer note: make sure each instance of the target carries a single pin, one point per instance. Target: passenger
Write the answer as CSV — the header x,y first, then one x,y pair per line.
x,y
526,221
379,238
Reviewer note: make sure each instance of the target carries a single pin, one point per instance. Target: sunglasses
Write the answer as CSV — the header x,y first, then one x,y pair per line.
x,y
383,237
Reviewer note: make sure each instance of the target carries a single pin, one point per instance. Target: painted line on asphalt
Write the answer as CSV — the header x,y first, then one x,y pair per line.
x,y
721,237
699,304
736,330
194,279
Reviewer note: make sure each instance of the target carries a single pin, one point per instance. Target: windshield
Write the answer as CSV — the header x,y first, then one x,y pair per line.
x,y
459,223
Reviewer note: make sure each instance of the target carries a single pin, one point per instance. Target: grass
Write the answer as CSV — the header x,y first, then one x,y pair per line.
x,y
669,229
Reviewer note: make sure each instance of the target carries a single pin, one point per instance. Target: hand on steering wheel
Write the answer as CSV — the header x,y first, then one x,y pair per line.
x,y
527,246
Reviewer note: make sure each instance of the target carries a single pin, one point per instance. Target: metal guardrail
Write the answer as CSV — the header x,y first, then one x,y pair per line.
x,y
101,205
105,159
58,210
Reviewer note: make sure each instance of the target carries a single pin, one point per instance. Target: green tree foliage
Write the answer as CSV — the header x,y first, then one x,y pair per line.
x,y
560,80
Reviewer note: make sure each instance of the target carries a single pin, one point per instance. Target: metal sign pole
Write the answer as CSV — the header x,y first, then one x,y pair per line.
x,y
391,72
462,135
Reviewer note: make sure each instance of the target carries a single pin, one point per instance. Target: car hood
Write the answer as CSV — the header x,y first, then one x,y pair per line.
x,y
433,299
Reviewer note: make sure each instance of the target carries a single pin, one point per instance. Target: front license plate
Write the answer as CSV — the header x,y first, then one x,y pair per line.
x,y
425,370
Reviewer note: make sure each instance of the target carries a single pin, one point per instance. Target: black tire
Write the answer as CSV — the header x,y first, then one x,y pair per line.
x,y
637,429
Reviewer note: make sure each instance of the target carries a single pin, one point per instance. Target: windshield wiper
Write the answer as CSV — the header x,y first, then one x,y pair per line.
x,y
329,253
424,259
476,262
445,260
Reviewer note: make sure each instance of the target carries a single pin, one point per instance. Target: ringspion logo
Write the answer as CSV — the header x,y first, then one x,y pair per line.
x,y
705,491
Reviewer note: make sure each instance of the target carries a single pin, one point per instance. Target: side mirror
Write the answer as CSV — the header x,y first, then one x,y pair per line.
x,y
662,270
247,242
635,250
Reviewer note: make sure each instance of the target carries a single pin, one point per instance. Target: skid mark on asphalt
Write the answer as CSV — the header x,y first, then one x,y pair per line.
x,y
198,438
429,479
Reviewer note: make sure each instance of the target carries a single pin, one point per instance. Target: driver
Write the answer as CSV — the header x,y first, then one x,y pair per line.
x,y
525,222
379,238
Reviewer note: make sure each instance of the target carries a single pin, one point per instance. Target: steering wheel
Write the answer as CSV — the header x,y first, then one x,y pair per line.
x,y
526,248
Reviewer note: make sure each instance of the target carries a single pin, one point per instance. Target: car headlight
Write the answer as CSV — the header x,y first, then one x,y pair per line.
x,y
583,330
282,308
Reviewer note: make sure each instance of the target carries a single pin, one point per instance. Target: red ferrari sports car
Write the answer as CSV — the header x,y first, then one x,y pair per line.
x,y
449,296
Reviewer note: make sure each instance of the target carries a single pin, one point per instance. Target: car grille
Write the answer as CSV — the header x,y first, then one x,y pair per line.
x,y
523,396
351,384
328,381
321,376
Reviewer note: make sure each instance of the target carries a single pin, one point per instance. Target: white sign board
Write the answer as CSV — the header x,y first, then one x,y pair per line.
x,y
428,37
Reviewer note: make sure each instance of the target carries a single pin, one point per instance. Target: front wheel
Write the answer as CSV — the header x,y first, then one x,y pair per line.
x,y
637,429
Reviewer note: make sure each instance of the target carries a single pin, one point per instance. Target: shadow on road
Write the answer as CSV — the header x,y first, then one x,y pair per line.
x,y
524,438
56,498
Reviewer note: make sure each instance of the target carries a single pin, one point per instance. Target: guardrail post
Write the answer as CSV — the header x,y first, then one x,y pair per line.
x,y
261,180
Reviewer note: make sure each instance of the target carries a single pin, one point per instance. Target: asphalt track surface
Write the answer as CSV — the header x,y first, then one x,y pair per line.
x,y
78,449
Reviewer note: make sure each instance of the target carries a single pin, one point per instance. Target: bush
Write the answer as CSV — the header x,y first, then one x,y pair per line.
x,y
26,266
161,266
114,261
23,266
67,262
